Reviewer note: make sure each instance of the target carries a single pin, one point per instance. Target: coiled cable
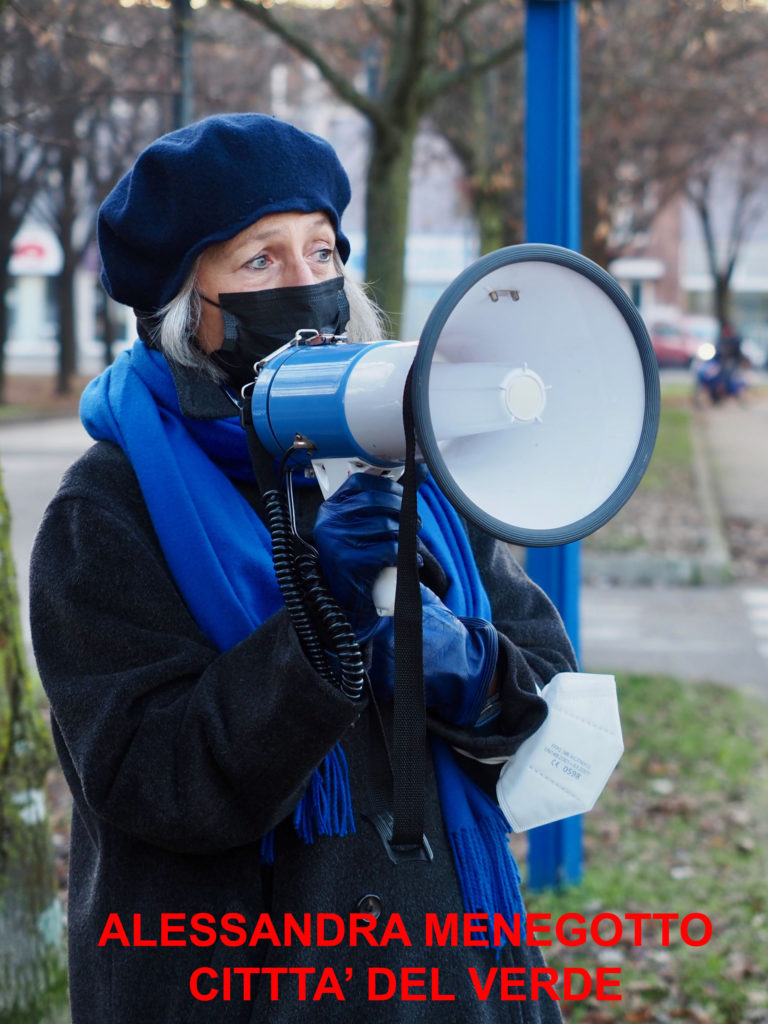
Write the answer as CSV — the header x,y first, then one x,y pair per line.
x,y
324,611
320,624
333,624
326,637
278,522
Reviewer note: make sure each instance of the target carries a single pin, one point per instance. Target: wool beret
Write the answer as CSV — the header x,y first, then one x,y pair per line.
x,y
203,184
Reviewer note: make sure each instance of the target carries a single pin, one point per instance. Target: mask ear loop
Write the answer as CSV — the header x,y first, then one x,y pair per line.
x,y
231,329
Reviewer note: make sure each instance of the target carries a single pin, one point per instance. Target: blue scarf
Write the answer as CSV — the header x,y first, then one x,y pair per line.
x,y
185,469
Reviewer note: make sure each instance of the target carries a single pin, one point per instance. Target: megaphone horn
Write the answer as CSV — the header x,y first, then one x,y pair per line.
x,y
535,396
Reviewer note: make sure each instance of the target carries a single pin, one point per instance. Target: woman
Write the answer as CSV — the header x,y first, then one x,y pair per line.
x,y
224,786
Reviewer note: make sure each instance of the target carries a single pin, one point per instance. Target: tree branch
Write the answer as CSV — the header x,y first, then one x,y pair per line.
x,y
412,58
380,25
455,20
339,82
472,69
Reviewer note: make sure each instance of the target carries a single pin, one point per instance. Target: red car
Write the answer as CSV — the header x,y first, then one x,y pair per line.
x,y
672,344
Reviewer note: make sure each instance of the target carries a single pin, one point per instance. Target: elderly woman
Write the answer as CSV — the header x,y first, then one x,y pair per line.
x,y
226,863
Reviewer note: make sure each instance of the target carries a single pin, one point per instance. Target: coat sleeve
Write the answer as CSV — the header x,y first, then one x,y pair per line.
x,y
533,647
159,733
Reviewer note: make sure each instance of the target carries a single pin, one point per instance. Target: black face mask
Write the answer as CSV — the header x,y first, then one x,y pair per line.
x,y
257,323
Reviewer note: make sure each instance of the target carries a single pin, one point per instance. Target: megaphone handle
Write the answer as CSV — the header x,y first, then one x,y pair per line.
x,y
331,473
383,592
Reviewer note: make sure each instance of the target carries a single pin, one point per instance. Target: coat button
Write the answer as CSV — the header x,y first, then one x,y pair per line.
x,y
369,904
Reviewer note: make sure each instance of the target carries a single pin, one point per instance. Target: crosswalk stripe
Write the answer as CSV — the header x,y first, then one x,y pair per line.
x,y
756,601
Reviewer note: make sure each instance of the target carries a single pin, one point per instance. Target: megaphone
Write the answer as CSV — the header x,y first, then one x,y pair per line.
x,y
535,396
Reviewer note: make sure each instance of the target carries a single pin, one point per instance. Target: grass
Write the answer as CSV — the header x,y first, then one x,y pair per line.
x,y
663,516
680,829
673,453
671,462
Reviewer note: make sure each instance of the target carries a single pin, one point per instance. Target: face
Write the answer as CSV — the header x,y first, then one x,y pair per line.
x,y
282,250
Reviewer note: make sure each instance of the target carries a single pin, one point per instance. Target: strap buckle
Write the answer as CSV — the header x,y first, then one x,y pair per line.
x,y
400,853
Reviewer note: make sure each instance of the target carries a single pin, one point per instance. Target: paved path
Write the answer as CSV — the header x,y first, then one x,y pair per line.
x,y
33,457
737,437
718,634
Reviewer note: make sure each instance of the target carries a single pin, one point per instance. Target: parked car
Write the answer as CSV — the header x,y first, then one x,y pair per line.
x,y
673,345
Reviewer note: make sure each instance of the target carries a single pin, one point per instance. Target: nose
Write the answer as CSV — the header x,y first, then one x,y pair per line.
x,y
296,270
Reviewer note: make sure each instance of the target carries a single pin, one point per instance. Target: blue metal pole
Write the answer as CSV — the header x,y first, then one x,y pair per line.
x,y
552,215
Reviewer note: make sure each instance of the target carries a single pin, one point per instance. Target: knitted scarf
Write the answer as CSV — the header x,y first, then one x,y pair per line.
x,y
185,468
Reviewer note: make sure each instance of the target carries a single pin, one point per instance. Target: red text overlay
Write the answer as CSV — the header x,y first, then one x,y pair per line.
x,y
408,983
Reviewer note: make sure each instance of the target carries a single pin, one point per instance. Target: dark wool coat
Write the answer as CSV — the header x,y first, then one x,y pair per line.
x,y
180,758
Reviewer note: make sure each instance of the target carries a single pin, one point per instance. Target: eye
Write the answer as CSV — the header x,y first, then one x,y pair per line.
x,y
324,254
260,262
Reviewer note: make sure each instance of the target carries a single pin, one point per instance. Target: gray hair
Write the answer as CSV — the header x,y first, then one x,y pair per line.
x,y
176,323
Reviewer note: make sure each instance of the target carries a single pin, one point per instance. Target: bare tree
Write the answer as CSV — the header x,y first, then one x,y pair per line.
x,y
232,64
102,108
730,189
482,120
391,63
664,83
32,962
32,969
22,69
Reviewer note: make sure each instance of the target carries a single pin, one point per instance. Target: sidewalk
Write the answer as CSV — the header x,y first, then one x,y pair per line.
x,y
737,437
736,445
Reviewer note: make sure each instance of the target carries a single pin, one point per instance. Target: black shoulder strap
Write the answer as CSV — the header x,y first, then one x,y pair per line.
x,y
410,715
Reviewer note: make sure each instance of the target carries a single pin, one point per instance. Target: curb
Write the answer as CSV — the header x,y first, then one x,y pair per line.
x,y
647,570
707,486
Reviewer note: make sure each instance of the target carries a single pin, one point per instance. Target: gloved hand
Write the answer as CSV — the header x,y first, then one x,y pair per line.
x,y
459,661
356,537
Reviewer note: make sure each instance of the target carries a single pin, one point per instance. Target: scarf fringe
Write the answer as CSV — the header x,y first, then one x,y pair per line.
x,y
489,877
488,873
325,809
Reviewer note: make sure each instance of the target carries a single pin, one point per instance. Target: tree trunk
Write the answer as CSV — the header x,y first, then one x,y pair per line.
x,y
5,283
32,968
722,290
387,217
595,220
65,287
490,210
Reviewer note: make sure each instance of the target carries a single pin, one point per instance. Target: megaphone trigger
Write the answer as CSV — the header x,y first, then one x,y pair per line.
x,y
384,590
331,473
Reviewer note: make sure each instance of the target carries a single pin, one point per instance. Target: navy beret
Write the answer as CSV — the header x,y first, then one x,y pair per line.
x,y
204,184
